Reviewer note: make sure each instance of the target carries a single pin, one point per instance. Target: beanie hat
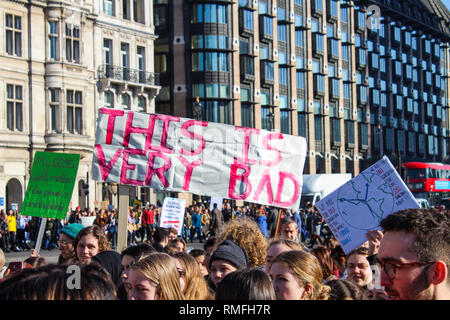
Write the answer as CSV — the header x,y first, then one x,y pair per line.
x,y
72,229
230,252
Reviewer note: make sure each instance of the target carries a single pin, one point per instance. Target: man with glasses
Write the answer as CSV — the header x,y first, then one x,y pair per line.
x,y
414,255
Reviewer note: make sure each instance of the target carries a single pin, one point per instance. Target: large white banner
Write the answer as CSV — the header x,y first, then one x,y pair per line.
x,y
169,153
361,203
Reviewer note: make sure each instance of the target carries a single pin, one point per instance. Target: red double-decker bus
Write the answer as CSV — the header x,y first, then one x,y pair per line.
x,y
429,180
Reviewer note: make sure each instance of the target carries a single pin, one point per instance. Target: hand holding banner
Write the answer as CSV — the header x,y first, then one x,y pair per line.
x,y
361,203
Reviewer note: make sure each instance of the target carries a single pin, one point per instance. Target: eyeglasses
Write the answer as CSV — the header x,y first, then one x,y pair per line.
x,y
391,268
64,242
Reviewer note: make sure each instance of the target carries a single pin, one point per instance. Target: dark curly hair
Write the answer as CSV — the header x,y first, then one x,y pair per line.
x,y
430,228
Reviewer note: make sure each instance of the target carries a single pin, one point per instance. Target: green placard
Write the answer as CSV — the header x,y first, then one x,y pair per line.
x,y
51,185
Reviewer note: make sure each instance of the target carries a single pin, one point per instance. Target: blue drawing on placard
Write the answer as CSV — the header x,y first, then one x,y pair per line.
x,y
364,201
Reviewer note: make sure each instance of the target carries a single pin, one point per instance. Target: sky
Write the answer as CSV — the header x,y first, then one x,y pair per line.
x,y
446,3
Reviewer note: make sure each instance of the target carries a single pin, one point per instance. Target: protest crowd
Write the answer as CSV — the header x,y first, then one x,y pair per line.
x,y
253,252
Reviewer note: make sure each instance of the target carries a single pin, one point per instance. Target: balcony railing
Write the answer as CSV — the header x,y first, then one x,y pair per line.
x,y
128,75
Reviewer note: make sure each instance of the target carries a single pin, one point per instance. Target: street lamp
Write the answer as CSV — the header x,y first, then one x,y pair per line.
x,y
197,109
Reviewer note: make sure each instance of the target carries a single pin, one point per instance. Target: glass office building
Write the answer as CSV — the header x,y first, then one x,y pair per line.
x,y
357,79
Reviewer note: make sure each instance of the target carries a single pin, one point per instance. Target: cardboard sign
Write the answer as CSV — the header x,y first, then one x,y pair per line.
x,y
88,221
169,153
361,203
172,214
51,184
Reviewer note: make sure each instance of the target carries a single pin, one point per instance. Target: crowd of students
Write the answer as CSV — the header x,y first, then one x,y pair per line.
x,y
242,260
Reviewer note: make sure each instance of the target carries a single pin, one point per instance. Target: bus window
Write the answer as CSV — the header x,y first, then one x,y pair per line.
x,y
416,173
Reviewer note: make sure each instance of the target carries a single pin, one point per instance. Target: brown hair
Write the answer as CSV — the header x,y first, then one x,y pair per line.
x,y
246,234
430,228
98,233
246,284
307,271
323,255
50,282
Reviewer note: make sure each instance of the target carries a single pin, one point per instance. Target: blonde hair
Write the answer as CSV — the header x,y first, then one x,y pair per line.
x,y
307,270
196,287
246,234
161,269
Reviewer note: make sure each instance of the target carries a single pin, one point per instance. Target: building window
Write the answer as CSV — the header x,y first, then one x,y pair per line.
x,y
248,19
141,104
299,36
160,16
140,55
72,43
139,11
53,39
247,115
350,131
283,76
268,26
209,13
126,101
107,51
54,110
108,99
266,124
268,71
303,125
300,80
108,7
74,101
14,107
285,122
219,111
13,28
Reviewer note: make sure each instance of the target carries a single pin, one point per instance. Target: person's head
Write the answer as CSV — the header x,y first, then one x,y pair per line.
x,y
161,236
66,240
246,284
278,246
35,262
155,277
89,242
246,234
323,255
199,256
111,261
415,255
131,255
288,229
228,257
178,245
358,268
345,290
193,284
209,248
173,234
297,275
50,282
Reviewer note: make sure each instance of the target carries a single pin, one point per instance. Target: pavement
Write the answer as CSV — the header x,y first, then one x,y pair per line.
x,y
51,256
